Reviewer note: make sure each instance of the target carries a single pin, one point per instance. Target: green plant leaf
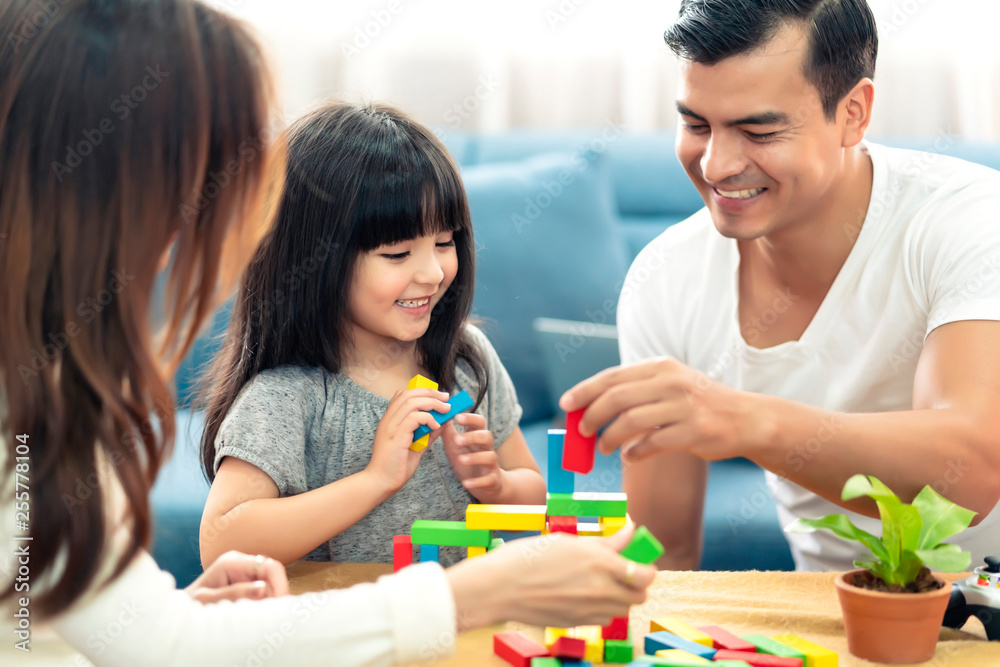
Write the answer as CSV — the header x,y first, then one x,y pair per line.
x,y
842,527
941,518
901,523
945,558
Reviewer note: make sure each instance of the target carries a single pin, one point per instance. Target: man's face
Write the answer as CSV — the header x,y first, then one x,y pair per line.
x,y
755,141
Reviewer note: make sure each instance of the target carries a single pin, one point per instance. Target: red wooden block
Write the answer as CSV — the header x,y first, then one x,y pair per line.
x,y
758,659
617,629
402,552
517,649
562,524
578,451
569,648
723,639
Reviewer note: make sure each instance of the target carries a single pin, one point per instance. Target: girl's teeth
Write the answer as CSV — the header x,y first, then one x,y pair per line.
x,y
413,304
740,194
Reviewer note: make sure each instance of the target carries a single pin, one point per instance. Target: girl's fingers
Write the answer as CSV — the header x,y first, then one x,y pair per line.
x,y
481,482
487,458
471,420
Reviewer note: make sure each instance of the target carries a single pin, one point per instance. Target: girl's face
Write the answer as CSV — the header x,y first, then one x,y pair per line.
x,y
395,287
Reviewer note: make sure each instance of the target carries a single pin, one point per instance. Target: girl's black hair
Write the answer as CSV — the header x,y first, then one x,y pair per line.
x,y
358,177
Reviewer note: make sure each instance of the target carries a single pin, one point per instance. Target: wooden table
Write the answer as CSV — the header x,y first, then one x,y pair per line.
x,y
770,603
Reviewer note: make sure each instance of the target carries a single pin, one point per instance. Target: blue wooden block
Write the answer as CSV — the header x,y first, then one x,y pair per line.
x,y
459,403
658,641
560,479
430,552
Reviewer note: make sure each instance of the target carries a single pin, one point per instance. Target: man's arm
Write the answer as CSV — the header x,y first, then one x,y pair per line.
x,y
667,495
951,437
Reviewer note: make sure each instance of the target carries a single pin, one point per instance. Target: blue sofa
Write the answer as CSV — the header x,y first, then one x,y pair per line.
x,y
558,218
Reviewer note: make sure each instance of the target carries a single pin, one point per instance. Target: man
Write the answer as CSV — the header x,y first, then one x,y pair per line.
x,y
833,310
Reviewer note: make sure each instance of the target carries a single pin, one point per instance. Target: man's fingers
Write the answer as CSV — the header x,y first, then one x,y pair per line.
x,y
619,398
583,393
635,423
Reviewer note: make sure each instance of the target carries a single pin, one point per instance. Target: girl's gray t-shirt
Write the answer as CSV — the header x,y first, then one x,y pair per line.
x,y
306,427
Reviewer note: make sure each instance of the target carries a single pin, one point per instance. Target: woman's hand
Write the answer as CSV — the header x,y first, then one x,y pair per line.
x,y
393,462
473,457
556,580
238,576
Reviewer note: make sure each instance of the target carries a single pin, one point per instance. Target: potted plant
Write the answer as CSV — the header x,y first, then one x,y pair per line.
x,y
893,606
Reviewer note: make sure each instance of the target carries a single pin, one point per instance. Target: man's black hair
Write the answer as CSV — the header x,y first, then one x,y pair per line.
x,y
842,34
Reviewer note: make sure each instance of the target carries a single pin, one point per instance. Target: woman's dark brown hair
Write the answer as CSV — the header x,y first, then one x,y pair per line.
x,y
124,125
357,177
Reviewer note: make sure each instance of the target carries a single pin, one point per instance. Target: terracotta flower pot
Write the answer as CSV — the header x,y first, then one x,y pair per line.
x,y
892,628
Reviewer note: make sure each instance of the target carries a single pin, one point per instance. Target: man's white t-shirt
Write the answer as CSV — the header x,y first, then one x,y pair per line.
x,y
928,253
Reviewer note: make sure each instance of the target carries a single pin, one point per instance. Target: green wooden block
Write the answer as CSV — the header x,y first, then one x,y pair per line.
x,y
586,504
495,543
545,662
618,650
681,662
771,647
448,534
644,548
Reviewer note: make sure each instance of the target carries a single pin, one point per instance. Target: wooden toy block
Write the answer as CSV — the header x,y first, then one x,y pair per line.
x,y
658,641
758,659
475,551
569,648
448,534
586,529
616,629
552,634
595,652
420,382
644,548
562,524
675,657
430,553
402,552
587,504
723,639
458,403
495,543
545,662
505,517
612,524
618,650
816,655
588,633
771,647
681,629
578,451
559,480
517,649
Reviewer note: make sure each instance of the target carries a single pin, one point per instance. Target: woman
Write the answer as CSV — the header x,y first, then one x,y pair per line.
x,y
132,130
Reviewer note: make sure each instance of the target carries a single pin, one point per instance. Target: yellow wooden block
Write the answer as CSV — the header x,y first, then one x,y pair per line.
x,y
588,633
680,657
476,551
594,652
612,524
681,629
420,382
816,655
553,634
505,517
589,529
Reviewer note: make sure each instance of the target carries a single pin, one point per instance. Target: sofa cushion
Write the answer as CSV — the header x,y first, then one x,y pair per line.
x,y
548,244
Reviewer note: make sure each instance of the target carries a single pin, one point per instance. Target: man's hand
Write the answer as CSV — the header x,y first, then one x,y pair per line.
x,y
662,405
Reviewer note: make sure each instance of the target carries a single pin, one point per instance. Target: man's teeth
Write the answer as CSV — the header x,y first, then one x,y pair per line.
x,y
413,304
740,194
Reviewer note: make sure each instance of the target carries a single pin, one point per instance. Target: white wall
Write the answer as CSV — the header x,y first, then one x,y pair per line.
x,y
494,64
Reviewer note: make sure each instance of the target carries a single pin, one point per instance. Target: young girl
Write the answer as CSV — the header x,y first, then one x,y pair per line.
x,y
365,281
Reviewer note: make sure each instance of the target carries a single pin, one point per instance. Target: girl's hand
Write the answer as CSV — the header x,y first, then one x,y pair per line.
x,y
393,462
237,576
472,456
555,580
